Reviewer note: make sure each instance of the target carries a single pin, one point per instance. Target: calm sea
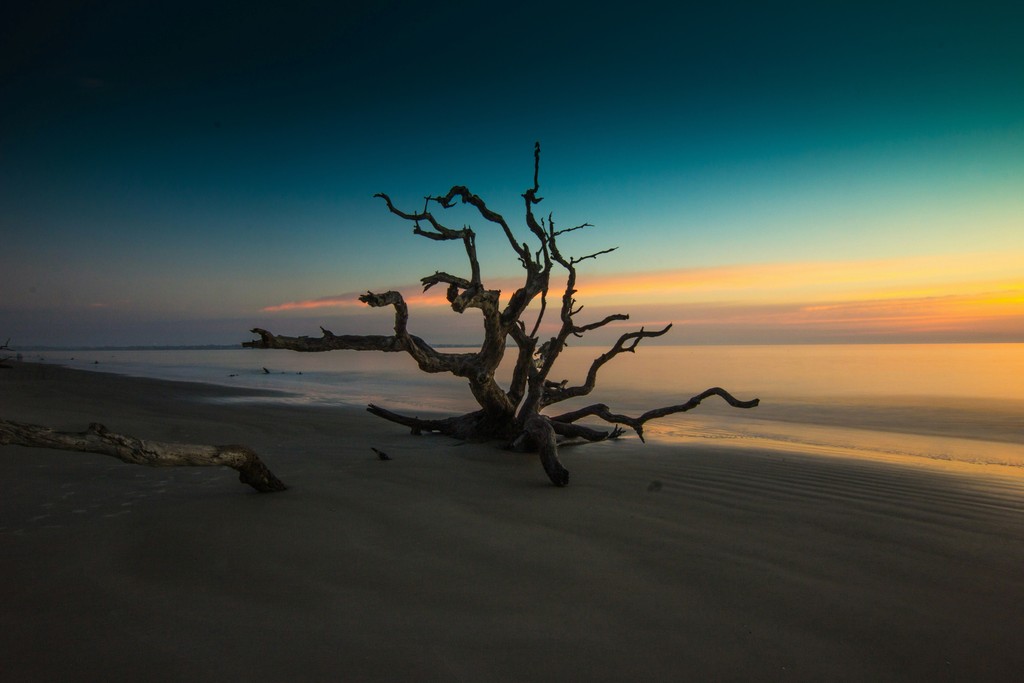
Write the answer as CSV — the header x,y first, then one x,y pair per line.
x,y
958,402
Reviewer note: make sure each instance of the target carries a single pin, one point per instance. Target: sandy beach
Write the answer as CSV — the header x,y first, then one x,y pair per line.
x,y
460,562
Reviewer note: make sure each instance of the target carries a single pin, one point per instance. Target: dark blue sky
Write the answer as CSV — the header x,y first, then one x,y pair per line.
x,y
167,170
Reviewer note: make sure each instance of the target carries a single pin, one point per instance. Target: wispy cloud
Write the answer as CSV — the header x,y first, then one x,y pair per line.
x,y
985,316
351,300
412,293
972,312
964,296
915,277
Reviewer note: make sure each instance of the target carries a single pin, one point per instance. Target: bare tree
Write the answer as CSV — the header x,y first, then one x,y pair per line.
x,y
514,413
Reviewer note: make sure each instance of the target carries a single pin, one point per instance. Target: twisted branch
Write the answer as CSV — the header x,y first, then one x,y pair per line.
x,y
636,423
467,197
627,343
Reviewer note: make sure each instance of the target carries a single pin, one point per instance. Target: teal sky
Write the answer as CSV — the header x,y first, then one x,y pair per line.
x,y
168,171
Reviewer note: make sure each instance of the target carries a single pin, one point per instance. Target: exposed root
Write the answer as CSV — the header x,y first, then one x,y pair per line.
x,y
540,430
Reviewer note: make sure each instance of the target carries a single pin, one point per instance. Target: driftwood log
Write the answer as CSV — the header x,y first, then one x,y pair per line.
x,y
135,451
514,323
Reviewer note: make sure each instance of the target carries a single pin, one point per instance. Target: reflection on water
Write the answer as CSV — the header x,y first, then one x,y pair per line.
x,y
954,401
957,402
854,370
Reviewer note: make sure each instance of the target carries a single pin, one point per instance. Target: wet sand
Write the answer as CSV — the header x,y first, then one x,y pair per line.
x,y
461,562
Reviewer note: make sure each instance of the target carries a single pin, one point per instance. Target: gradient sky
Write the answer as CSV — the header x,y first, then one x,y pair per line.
x,y
176,173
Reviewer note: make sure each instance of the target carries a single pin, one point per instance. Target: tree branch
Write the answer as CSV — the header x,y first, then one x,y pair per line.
x,y
328,342
543,434
636,423
134,451
467,197
441,233
579,330
577,259
427,358
439,277
627,343
417,425
433,360
575,431
473,295
556,233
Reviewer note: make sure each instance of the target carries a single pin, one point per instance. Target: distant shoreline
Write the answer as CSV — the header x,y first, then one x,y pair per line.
x,y
754,343
184,347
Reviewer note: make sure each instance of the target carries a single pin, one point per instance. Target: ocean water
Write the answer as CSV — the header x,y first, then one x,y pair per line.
x,y
949,402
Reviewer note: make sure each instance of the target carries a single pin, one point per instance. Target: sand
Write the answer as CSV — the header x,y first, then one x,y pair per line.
x,y
460,562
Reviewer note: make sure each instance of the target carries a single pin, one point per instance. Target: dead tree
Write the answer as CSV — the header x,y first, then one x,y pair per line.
x,y
135,451
514,413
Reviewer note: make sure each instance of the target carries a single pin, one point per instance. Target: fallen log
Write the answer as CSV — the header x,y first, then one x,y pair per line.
x,y
135,451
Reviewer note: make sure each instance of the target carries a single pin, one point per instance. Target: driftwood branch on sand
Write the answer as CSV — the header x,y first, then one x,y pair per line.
x,y
135,451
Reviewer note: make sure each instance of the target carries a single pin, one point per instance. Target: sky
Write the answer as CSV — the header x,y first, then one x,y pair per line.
x,y
809,172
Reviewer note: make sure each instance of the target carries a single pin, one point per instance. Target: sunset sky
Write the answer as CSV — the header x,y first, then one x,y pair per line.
x,y
177,173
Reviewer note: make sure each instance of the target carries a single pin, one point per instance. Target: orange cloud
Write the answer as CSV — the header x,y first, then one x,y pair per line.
x,y
920,276
351,300
984,316
941,313
412,293
937,297
959,295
